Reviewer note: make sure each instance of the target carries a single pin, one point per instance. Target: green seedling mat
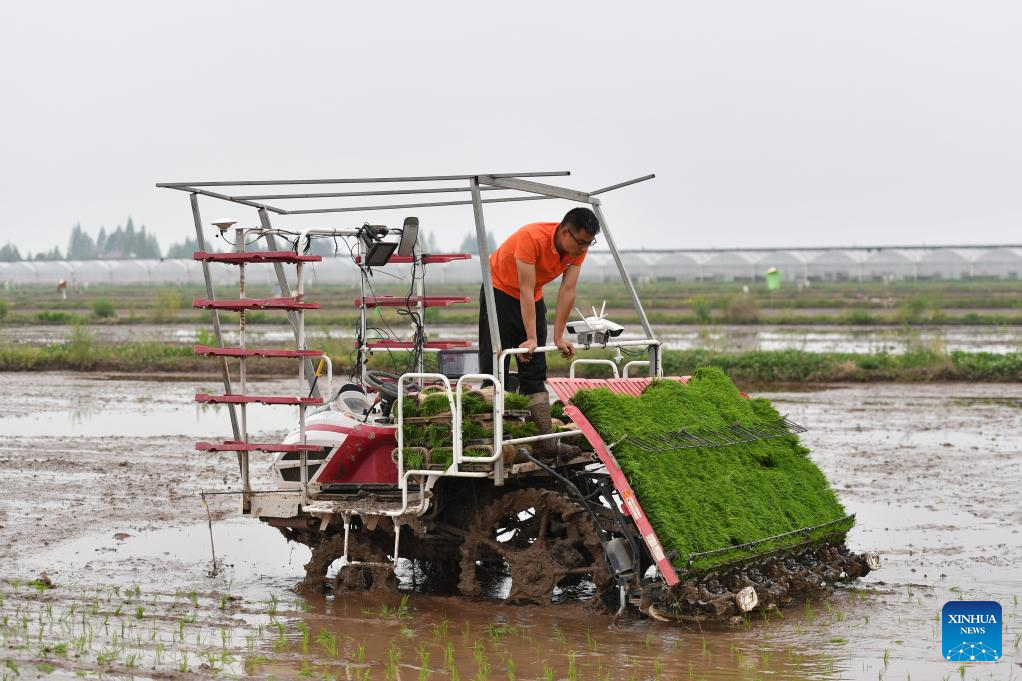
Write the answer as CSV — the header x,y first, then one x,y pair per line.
x,y
709,499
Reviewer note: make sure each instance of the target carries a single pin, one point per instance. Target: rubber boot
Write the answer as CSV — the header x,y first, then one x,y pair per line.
x,y
547,450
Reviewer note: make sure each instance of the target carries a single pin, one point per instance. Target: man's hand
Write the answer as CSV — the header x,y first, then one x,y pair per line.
x,y
530,344
566,348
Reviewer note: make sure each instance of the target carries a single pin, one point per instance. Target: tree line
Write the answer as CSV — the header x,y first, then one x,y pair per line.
x,y
128,242
124,242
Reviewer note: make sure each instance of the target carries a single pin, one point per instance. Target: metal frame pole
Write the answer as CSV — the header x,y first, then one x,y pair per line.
x,y
654,366
484,264
420,306
303,456
491,307
246,480
362,358
285,291
201,243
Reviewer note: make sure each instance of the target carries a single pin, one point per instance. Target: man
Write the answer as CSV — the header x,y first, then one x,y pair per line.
x,y
529,259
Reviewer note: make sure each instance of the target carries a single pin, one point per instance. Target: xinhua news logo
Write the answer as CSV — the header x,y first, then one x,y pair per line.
x,y
971,631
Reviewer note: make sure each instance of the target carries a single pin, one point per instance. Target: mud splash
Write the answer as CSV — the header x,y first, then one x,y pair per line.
x,y
931,471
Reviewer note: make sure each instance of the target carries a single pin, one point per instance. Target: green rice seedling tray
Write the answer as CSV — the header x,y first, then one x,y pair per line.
x,y
728,498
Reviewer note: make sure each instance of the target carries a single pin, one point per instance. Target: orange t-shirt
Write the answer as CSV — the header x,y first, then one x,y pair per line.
x,y
532,244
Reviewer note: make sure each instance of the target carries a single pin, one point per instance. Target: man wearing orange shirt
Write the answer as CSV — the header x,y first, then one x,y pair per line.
x,y
530,258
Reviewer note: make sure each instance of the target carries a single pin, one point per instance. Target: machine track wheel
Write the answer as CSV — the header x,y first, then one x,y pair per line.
x,y
349,577
537,537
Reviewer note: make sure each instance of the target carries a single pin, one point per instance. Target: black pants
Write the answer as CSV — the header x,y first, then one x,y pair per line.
x,y
531,374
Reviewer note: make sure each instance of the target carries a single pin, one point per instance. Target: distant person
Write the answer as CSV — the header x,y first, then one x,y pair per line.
x,y
530,258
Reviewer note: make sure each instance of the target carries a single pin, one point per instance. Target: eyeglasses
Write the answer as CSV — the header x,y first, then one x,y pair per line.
x,y
582,244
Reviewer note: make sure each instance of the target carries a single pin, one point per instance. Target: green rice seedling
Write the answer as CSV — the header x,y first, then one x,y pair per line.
x,y
414,460
107,656
685,492
482,664
887,657
424,671
511,669
79,643
548,672
139,612
182,664
131,660
212,660
658,668
559,636
390,666
440,630
572,667
280,642
449,655
304,628
497,634
328,641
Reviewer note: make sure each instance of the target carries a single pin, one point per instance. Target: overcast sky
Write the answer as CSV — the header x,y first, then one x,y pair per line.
x,y
767,123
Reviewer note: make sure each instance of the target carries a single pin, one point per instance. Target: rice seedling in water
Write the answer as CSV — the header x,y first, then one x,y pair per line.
x,y
482,664
107,656
393,657
328,641
449,655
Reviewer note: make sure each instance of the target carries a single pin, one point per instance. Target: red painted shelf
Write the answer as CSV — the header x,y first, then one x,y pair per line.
x,y
254,304
234,446
409,345
399,301
261,399
426,259
255,257
254,352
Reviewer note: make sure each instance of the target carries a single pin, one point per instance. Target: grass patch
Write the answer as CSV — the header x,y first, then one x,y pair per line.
x,y
712,498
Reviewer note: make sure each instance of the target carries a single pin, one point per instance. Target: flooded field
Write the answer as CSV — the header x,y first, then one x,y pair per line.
x,y
718,337
101,493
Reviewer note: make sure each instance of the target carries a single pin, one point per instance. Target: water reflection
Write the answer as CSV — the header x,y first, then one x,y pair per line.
x,y
721,338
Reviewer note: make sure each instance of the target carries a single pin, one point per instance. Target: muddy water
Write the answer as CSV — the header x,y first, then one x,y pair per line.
x,y
864,339
100,490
